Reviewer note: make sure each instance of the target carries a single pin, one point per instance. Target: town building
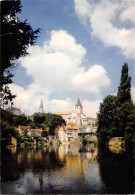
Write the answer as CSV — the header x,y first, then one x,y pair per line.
x,y
68,134
76,123
16,111
22,129
77,117
26,129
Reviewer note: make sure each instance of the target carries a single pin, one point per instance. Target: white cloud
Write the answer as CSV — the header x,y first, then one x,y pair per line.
x,y
103,16
128,15
91,108
83,9
56,70
133,93
60,105
61,41
92,78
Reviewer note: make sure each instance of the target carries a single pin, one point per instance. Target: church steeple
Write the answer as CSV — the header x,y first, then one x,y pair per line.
x,y
79,107
41,107
78,102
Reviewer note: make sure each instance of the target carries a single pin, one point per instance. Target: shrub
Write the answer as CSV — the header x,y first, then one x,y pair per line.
x,y
25,144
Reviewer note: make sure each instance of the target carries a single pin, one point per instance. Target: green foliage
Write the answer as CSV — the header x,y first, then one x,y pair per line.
x,y
123,144
21,120
6,123
48,122
5,96
124,90
35,136
9,121
130,127
32,125
106,119
116,115
25,144
39,118
16,36
25,133
126,122
45,133
7,116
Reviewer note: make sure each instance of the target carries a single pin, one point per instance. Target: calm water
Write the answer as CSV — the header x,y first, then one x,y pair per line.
x,y
66,169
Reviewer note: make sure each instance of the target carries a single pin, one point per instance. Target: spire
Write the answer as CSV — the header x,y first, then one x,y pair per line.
x,y
41,107
41,104
78,102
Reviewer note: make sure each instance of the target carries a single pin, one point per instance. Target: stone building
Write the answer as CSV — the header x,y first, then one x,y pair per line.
x,y
77,117
22,129
78,120
68,134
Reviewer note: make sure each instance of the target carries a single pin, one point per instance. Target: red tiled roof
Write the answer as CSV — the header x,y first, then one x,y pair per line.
x,y
64,112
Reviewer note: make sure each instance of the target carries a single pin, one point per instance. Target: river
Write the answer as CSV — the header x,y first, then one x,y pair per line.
x,y
66,169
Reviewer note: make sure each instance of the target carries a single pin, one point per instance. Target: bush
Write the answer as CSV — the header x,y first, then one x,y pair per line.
x,y
25,144
123,144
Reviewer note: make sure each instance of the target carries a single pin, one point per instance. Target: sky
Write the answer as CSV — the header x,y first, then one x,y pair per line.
x,y
80,52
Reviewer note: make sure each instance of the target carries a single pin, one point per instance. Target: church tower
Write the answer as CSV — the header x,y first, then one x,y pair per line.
x,y
41,107
79,107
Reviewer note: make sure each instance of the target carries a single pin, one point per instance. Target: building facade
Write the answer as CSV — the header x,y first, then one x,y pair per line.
x,y
68,134
77,117
26,129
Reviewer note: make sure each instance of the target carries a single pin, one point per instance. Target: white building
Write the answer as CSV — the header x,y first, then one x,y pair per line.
x,y
68,134
77,117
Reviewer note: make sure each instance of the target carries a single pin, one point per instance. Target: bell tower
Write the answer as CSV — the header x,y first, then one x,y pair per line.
x,y
79,107
41,107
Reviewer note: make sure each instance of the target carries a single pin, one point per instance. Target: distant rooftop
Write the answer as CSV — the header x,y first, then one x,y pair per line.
x,y
14,110
64,112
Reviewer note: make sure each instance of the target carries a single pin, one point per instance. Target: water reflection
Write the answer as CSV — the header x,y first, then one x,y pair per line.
x,y
70,168
116,149
117,171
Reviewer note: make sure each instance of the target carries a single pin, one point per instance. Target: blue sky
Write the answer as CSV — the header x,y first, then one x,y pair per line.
x,y
80,52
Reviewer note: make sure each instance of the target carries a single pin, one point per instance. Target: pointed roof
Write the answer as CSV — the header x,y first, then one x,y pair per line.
x,y
41,104
78,102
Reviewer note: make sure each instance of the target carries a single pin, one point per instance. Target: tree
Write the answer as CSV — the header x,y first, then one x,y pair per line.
x,y
6,124
130,127
21,120
25,133
44,133
47,121
123,98
126,122
5,96
107,119
39,118
53,121
16,36
124,90
116,116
